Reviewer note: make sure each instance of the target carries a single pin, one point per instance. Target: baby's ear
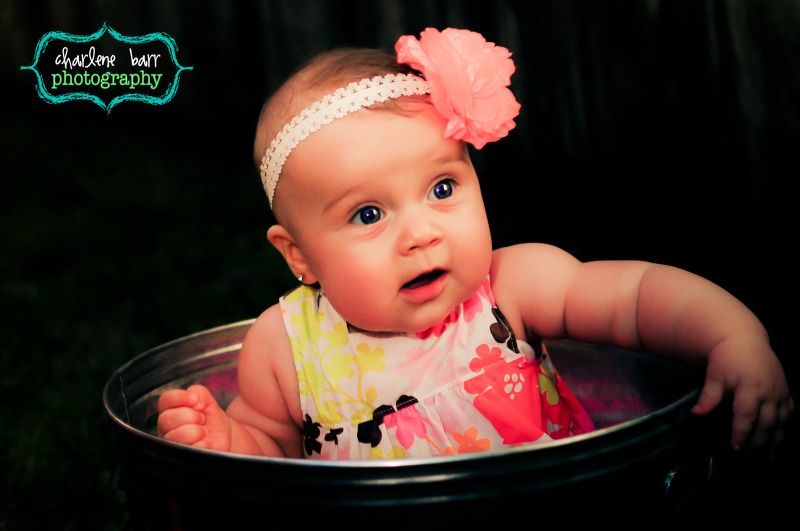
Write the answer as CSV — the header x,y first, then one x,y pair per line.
x,y
284,242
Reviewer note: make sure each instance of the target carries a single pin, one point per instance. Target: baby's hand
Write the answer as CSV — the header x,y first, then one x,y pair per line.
x,y
193,417
762,403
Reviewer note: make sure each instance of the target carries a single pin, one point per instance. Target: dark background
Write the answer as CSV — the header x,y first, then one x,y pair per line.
x,y
658,130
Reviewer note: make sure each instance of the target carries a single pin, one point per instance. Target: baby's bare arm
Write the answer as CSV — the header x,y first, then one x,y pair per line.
x,y
268,405
261,420
658,308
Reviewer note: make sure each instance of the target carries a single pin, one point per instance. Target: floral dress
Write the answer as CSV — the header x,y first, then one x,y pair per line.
x,y
463,385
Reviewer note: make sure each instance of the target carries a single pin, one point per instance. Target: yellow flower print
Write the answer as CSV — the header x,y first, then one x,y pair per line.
x,y
301,293
547,370
549,390
369,360
329,415
314,382
337,338
397,452
372,395
376,454
340,366
302,383
362,415
297,349
307,324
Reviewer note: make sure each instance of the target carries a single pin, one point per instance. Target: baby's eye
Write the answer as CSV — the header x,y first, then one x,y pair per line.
x,y
367,216
442,190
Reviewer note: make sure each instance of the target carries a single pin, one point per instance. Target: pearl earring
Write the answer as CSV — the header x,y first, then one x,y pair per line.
x,y
300,279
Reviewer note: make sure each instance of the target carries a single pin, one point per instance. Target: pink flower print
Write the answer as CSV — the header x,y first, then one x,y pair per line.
x,y
486,291
439,328
409,423
508,395
428,369
469,308
343,453
472,307
416,365
451,413
486,356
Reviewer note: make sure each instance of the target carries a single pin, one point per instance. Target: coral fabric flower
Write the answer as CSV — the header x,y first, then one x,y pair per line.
x,y
468,77
514,410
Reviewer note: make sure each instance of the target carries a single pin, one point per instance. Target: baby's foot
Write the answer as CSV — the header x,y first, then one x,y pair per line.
x,y
192,416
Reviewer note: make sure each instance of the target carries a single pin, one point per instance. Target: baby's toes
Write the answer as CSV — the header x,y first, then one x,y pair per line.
x,y
187,434
177,417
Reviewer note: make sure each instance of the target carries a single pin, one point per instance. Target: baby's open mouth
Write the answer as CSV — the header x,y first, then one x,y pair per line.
x,y
423,279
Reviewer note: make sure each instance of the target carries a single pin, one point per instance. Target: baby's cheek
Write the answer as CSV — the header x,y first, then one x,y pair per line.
x,y
354,296
475,248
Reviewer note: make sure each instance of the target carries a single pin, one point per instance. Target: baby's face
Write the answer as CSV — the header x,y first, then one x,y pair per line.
x,y
389,218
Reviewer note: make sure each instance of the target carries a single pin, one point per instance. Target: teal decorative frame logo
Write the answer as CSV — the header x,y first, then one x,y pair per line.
x,y
47,38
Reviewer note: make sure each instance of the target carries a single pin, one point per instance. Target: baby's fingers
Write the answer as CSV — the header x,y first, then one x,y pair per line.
x,y
710,397
746,410
765,427
786,410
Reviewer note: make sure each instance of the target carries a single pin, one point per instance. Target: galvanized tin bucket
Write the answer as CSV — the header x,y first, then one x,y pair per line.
x,y
648,450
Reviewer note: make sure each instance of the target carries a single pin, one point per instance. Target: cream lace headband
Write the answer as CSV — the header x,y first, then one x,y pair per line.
x,y
466,76
338,104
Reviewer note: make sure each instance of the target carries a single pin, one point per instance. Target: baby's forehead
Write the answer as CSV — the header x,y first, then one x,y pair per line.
x,y
279,110
378,137
369,149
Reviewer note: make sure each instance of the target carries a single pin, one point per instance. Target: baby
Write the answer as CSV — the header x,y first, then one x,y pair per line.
x,y
394,344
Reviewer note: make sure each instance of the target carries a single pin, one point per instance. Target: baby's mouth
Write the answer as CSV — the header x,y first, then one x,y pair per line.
x,y
423,279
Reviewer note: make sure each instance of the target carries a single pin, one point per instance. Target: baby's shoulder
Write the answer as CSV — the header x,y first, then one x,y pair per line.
x,y
266,365
525,260
267,335
529,283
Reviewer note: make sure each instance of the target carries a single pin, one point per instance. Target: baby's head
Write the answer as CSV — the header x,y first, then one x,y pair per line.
x,y
378,203
318,77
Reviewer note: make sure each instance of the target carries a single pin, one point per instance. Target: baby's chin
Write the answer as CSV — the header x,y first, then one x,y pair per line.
x,y
387,328
374,329
419,319
417,327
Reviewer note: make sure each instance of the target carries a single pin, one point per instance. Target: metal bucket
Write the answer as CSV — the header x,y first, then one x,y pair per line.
x,y
648,451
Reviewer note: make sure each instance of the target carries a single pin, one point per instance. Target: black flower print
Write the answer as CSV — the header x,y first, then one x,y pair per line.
x,y
333,435
536,343
405,401
369,431
311,433
501,330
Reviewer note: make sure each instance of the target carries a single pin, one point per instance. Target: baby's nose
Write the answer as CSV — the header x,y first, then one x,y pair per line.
x,y
420,231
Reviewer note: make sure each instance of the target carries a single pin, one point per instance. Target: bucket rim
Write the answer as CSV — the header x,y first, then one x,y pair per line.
x,y
403,463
